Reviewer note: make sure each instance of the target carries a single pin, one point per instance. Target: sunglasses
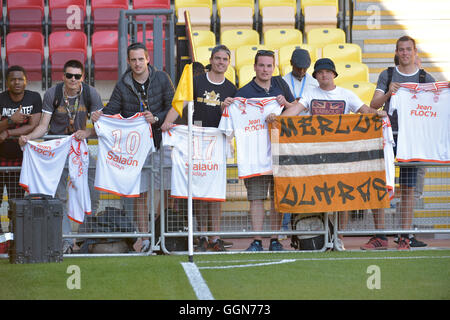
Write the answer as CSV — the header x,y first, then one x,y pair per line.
x,y
71,75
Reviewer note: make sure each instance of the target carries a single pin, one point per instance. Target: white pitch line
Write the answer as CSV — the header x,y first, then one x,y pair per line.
x,y
250,265
197,282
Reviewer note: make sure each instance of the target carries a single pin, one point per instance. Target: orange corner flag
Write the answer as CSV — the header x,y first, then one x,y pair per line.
x,y
184,90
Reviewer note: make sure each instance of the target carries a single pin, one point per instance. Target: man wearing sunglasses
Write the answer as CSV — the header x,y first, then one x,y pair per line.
x,y
65,116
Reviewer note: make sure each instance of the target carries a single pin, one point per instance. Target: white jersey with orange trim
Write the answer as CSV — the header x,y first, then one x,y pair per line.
x,y
42,165
123,146
389,158
246,120
423,121
208,162
78,188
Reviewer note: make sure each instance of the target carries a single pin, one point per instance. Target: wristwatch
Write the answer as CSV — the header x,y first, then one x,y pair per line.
x,y
156,119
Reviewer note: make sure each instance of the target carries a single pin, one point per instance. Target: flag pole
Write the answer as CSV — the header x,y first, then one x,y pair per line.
x,y
190,218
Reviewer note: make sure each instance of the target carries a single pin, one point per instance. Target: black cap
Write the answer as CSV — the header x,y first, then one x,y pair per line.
x,y
300,58
324,64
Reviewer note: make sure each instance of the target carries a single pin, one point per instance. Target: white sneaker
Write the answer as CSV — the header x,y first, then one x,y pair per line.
x,y
339,245
145,245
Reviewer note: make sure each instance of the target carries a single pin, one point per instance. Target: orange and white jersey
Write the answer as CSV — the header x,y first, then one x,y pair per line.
x,y
123,146
209,162
423,122
389,158
42,165
78,189
246,120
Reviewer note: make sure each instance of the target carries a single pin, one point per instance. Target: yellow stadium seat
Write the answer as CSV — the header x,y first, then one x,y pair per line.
x,y
320,37
285,53
305,3
245,55
235,3
230,74
200,17
235,14
247,72
235,38
277,3
343,52
364,90
193,3
351,71
203,38
320,16
277,14
276,38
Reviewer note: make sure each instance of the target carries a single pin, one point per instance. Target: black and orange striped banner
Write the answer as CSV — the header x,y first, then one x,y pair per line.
x,y
328,163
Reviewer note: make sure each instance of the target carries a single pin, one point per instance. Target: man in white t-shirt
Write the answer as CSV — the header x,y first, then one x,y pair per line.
x,y
328,98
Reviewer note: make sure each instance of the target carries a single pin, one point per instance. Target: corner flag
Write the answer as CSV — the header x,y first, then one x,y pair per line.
x,y
184,90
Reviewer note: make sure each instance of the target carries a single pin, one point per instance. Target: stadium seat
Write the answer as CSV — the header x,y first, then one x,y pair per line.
x,y
235,38
25,15
26,48
64,46
320,37
245,55
230,74
203,38
364,90
277,14
200,12
247,72
345,52
235,14
319,13
351,71
105,13
150,4
104,55
66,15
276,38
285,53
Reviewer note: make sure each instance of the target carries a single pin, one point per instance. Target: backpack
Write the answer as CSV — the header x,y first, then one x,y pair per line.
x,y
312,222
85,93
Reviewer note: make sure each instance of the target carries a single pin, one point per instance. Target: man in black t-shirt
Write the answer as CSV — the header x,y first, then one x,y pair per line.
x,y
20,111
212,93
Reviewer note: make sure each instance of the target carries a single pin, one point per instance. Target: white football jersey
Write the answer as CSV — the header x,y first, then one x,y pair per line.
x,y
123,146
246,120
389,158
423,121
78,188
42,165
209,163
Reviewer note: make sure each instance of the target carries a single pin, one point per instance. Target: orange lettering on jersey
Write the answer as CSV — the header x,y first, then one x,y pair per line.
x,y
423,111
40,149
122,160
254,125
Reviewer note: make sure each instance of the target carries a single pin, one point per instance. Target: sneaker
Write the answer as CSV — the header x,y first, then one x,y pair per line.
x,y
414,243
375,243
145,245
403,244
339,245
275,245
256,245
227,244
216,246
202,245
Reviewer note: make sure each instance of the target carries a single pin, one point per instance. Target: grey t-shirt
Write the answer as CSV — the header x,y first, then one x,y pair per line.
x,y
60,121
397,76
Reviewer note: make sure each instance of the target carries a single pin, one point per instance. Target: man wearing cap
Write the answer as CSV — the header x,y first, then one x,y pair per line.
x,y
318,99
298,80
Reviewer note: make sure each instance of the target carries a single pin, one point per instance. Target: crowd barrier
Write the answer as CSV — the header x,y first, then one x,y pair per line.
x,y
112,229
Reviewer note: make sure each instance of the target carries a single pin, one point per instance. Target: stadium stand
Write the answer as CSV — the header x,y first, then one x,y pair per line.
x,y
26,48
105,13
149,4
349,52
276,38
200,12
320,13
104,61
66,15
235,38
235,14
203,38
351,71
277,14
63,46
364,90
25,15
319,37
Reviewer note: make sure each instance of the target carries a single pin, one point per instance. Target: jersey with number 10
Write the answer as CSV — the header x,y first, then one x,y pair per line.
x,y
123,146
208,162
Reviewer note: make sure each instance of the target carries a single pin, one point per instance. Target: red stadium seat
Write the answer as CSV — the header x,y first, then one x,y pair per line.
x,y
105,54
25,15
67,14
64,46
150,4
26,48
105,13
